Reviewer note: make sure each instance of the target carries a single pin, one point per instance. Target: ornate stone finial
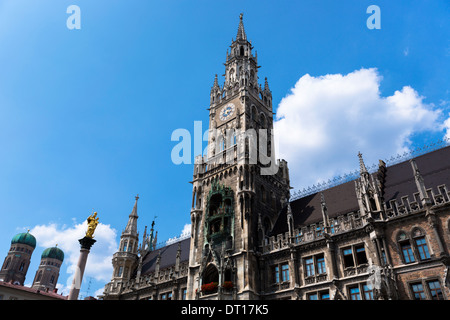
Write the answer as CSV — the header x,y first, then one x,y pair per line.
x,y
362,166
241,16
266,84
92,222
137,197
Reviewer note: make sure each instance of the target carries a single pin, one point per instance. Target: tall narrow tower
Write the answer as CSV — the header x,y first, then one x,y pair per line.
x,y
238,189
125,260
48,272
18,259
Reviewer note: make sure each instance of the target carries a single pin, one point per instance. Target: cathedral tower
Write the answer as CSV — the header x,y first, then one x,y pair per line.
x,y
238,188
48,272
17,261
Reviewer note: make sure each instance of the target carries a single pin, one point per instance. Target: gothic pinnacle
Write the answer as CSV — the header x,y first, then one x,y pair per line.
x,y
241,32
362,166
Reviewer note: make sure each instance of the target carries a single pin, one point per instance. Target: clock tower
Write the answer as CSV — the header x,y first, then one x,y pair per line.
x,y
238,188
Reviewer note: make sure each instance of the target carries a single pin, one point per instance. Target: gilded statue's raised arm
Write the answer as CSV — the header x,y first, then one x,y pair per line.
x,y
92,222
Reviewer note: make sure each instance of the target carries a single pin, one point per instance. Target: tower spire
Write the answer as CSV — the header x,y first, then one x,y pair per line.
x,y
132,220
362,166
241,32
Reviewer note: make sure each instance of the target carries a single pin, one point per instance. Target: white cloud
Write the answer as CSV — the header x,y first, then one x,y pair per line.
x,y
446,127
98,265
184,233
325,121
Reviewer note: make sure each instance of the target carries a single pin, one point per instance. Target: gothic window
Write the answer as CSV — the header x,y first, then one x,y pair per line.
x,y
22,266
52,279
406,249
7,263
426,289
221,142
360,291
39,276
166,296
361,257
355,255
309,267
368,292
274,201
318,295
417,290
313,296
315,265
210,275
278,277
276,274
325,295
266,226
231,75
319,230
119,271
435,290
348,258
125,246
254,113
242,51
285,272
262,120
321,264
332,230
422,247
354,293
420,243
407,252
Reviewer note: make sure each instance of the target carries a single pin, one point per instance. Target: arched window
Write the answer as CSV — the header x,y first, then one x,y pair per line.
x,y
405,247
420,243
39,276
210,274
267,226
7,263
125,246
242,51
262,120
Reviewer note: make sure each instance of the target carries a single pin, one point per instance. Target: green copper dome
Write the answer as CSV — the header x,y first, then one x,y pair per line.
x,y
53,253
24,238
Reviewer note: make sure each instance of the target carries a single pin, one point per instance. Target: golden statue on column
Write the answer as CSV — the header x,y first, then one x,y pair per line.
x,y
92,222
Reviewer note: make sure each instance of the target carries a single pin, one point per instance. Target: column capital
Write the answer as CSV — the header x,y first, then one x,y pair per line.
x,y
86,243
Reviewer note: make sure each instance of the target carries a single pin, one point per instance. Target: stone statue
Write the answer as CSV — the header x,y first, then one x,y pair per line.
x,y
92,224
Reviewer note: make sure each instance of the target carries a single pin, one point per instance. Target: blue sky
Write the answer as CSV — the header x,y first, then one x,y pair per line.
x,y
86,116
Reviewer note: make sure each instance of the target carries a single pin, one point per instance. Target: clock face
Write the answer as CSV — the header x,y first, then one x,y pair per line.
x,y
227,111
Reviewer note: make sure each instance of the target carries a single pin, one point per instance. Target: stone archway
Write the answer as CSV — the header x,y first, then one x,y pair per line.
x,y
211,274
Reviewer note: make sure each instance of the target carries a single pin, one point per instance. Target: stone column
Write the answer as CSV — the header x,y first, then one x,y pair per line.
x,y
86,244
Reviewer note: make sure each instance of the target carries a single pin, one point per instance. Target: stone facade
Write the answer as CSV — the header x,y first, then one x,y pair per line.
x,y
384,235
